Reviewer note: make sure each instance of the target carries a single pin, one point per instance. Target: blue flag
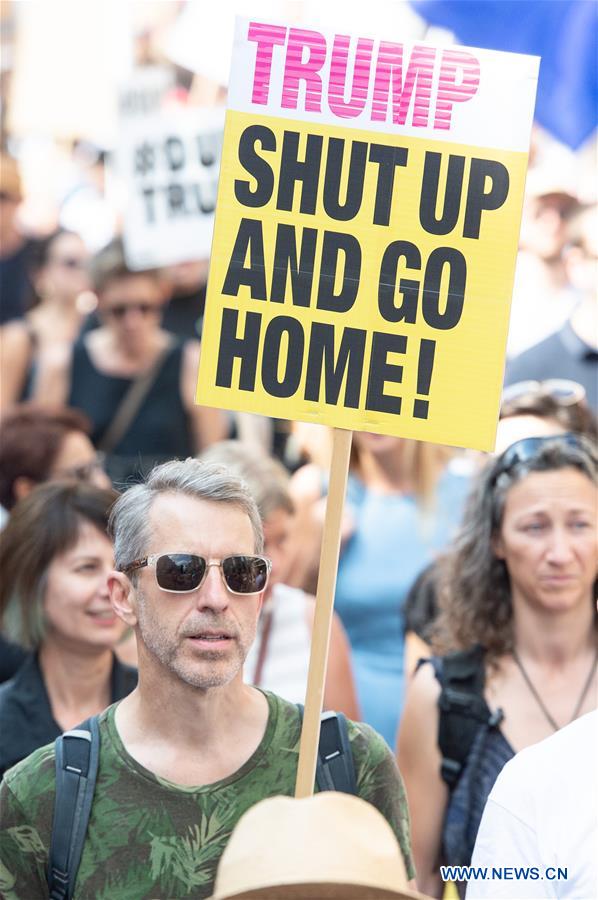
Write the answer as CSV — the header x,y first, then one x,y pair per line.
x,y
563,32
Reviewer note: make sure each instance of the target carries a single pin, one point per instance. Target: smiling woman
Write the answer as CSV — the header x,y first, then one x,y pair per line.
x,y
516,640
55,557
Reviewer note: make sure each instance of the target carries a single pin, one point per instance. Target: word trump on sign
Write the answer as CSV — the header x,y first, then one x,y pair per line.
x,y
396,77
364,247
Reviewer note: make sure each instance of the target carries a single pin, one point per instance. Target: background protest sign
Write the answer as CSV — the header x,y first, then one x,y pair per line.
x,y
368,219
364,251
168,161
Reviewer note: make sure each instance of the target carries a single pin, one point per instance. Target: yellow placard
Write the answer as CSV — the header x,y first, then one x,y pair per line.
x,y
361,279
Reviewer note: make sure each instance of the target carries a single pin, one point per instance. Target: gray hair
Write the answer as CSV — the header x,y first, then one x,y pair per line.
x,y
129,520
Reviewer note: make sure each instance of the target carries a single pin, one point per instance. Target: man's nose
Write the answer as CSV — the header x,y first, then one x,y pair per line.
x,y
213,593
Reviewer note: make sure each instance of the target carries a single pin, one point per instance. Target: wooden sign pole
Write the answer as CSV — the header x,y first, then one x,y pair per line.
x,y
331,539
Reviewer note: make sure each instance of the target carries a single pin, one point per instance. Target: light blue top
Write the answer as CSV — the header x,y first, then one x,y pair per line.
x,y
392,542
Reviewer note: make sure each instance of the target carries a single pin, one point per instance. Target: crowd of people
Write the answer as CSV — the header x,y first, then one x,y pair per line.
x,y
159,561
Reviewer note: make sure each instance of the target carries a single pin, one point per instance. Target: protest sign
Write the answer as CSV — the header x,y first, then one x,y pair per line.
x,y
364,250
368,219
169,162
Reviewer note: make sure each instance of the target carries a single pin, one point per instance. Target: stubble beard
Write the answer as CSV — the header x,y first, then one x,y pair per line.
x,y
195,671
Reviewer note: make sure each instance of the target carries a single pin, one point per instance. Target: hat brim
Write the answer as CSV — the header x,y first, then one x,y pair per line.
x,y
321,891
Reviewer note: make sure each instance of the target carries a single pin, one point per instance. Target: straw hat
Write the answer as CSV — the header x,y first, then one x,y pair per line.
x,y
332,846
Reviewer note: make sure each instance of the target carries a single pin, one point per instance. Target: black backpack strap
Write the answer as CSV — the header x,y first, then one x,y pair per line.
x,y
77,756
462,706
335,768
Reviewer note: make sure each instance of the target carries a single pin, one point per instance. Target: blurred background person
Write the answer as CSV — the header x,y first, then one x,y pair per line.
x,y
278,660
543,295
134,380
404,498
571,352
515,638
42,443
55,556
44,336
14,246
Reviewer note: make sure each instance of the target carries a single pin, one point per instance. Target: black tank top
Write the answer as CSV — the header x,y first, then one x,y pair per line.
x,y
159,431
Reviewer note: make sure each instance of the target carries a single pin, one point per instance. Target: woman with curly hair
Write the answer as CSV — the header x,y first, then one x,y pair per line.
x,y
515,641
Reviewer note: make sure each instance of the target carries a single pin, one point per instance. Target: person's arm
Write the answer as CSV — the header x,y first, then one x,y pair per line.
x,y
420,760
15,358
23,857
208,424
339,688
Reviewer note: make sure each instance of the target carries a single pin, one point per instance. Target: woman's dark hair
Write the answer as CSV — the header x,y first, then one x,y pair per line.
x,y
31,437
42,526
474,589
40,252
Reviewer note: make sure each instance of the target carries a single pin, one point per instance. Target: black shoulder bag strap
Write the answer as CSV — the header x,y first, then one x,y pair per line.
x,y
335,768
77,755
462,708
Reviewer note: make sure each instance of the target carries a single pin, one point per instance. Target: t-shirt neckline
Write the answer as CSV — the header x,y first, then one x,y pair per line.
x,y
135,766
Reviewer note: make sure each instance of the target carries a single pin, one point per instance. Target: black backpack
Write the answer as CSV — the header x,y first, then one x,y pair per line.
x,y
77,757
462,707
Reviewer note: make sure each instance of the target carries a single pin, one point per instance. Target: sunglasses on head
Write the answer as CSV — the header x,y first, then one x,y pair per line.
x,y
120,310
181,573
561,390
525,449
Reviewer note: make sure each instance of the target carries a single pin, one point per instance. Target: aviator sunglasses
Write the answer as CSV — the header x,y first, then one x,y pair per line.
x,y
181,573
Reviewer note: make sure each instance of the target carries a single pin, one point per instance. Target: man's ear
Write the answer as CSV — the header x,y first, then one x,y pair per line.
x,y
122,598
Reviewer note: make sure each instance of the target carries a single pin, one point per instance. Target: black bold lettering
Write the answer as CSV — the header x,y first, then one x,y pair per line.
x,y
335,242
350,360
409,288
278,327
306,171
387,158
477,200
455,294
452,194
302,271
332,180
249,239
244,348
256,166
382,371
174,150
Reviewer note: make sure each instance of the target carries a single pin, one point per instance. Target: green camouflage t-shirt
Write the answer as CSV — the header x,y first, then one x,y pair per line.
x,y
149,839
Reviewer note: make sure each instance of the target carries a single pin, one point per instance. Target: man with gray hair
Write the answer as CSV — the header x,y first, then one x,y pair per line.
x,y
193,747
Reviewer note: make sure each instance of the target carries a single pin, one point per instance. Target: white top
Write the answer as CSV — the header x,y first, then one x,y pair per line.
x,y
543,812
286,665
